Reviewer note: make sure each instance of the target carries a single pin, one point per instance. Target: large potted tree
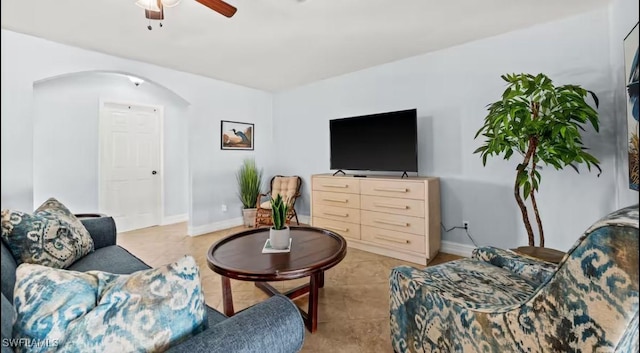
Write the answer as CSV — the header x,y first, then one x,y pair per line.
x,y
540,123
249,179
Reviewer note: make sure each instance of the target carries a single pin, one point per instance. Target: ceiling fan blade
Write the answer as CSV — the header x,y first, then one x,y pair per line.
x,y
219,6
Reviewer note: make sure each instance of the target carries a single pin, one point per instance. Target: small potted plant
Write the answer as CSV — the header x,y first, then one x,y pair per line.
x,y
249,179
279,233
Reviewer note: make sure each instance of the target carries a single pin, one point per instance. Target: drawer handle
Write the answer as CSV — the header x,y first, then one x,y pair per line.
x,y
393,240
335,200
337,229
343,186
336,214
392,189
389,205
401,224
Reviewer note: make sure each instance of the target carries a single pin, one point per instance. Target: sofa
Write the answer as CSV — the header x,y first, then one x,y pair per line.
x,y
274,325
499,301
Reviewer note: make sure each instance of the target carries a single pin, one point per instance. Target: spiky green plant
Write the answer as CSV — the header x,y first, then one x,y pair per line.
x,y
279,212
542,123
249,180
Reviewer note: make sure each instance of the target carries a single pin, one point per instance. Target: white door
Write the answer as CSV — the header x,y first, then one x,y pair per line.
x,y
130,155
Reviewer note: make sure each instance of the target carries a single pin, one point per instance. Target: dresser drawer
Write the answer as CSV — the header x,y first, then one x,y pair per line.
x,y
395,222
387,188
336,213
406,207
336,184
348,230
338,199
393,239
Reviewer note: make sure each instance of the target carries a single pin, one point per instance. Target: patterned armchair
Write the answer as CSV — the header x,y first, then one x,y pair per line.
x,y
289,189
498,301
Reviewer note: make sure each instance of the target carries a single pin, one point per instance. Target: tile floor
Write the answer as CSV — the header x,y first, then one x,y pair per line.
x,y
354,304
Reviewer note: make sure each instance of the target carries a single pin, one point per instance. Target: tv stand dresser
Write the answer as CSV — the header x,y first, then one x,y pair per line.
x,y
385,215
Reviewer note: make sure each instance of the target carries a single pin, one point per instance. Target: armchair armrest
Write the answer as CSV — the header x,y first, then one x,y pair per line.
x,y
532,269
274,326
259,199
102,230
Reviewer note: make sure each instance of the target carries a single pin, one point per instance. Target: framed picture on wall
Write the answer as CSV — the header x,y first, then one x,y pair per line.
x,y
633,92
236,135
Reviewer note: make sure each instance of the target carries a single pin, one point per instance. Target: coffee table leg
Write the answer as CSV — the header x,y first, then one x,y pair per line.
x,y
227,298
321,281
312,312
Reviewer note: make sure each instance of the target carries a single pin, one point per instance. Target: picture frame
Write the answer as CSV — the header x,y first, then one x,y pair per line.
x,y
236,135
632,92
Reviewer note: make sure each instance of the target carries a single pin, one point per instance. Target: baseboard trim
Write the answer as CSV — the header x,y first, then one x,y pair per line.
x,y
212,227
179,218
456,248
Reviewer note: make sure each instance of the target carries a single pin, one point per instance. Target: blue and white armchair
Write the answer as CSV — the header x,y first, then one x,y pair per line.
x,y
498,301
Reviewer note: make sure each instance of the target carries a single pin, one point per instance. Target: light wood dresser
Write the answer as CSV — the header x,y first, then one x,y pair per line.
x,y
385,215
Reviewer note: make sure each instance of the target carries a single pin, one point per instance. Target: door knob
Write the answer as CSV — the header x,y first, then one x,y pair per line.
x,y
154,172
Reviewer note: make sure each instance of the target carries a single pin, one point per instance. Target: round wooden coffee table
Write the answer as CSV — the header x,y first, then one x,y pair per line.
x,y
313,251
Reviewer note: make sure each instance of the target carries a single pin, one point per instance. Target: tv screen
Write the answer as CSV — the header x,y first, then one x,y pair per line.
x,y
381,142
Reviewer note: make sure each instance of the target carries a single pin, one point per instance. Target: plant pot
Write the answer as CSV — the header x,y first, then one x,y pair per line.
x,y
279,239
249,217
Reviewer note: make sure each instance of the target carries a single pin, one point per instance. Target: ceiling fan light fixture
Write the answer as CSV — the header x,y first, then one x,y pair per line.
x,y
170,3
154,9
151,5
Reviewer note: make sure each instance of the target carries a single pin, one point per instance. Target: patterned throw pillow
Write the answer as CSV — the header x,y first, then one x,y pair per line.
x,y
51,236
146,311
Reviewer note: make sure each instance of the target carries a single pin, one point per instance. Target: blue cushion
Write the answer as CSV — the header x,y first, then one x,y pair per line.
x,y
51,236
149,310
113,259
214,317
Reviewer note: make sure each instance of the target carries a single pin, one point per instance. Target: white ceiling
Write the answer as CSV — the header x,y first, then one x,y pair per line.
x,y
278,44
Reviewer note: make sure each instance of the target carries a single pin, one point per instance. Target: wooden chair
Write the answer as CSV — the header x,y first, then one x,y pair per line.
x,y
286,186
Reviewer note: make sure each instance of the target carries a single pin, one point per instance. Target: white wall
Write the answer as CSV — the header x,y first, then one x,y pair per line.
x,y
27,59
66,117
16,128
450,88
213,171
623,16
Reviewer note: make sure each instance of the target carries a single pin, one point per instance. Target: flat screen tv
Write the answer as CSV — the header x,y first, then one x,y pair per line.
x,y
377,142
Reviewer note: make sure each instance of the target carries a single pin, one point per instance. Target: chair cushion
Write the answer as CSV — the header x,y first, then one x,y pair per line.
x,y
534,270
472,284
146,311
287,187
52,236
113,259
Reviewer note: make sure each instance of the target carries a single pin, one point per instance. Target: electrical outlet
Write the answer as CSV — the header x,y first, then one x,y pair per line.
x,y
465,224
224,208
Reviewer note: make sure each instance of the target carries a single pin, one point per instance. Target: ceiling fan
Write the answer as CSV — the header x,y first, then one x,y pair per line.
x,y
154,9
